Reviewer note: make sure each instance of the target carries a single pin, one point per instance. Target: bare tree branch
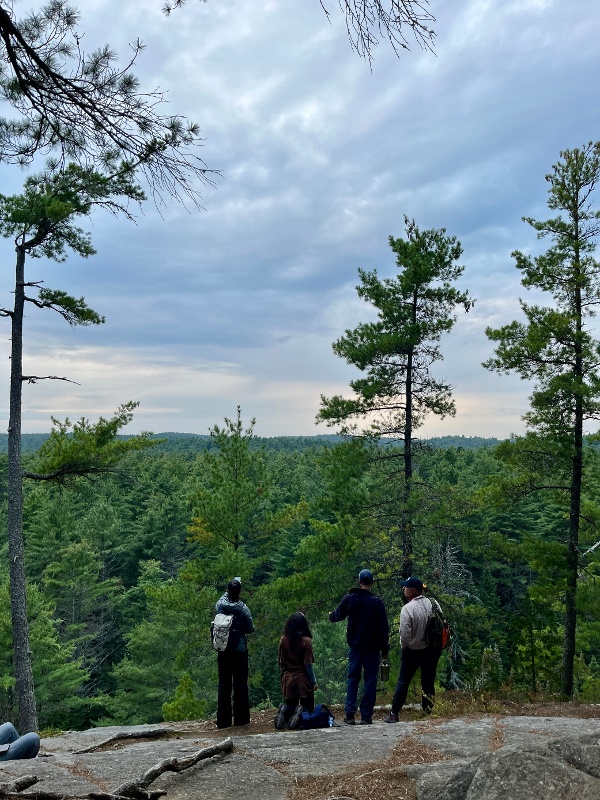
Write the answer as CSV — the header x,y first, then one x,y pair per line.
x,y
85,106
396,20
36,378
399,21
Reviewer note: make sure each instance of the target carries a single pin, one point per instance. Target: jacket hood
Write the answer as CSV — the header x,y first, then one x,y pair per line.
x,y
226,606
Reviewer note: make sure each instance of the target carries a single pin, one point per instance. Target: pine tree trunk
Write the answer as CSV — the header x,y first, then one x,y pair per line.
x,y
20,629
568,659
407,537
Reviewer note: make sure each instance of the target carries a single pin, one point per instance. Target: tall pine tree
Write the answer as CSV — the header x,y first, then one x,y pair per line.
x,y
556,348
414,311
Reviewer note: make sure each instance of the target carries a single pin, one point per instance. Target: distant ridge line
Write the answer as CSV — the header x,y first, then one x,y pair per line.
x,y
197,442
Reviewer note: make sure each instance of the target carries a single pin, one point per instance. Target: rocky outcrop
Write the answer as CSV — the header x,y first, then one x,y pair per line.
x,y
566,768
483,757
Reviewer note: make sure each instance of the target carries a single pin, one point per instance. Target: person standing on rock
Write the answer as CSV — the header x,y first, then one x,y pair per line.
x,y
416,654
233,661
367,637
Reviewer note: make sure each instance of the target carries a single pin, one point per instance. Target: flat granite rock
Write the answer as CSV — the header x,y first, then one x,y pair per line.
x,y
480,759
326,751
461,738
236,776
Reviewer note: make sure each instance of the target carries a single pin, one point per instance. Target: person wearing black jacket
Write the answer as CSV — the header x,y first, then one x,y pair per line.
x,y
367,636
233,661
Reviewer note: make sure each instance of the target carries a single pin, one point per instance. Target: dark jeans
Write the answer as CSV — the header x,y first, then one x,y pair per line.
x,y
233,674
25,746
365,663
426,660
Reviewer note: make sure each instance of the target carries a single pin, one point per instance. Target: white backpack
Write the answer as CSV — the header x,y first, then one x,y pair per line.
x,y
219,631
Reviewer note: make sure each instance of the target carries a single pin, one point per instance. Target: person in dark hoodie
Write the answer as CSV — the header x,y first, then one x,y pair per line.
x,y
367,636
233,661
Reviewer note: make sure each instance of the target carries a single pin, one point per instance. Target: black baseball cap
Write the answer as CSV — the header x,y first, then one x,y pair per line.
x,y
413,583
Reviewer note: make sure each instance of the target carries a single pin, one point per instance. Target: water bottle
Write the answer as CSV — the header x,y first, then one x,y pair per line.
x,y
385,671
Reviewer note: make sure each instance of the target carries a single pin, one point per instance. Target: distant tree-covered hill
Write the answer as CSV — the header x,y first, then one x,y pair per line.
x,y
192,443
30,442
466,442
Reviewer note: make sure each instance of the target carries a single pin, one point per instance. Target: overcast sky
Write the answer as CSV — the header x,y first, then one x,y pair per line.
x,y
321,157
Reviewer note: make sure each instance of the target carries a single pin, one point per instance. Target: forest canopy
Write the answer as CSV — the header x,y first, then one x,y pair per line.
x,y
123,574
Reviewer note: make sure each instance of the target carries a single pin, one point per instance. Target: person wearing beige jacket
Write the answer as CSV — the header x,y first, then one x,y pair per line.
x,y
416,654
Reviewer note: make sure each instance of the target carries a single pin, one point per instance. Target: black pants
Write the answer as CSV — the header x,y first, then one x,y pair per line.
x,y
426,660
291,703
233,675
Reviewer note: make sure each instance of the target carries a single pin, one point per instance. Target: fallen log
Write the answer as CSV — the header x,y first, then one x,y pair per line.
x,y
147,733
133,790
174,765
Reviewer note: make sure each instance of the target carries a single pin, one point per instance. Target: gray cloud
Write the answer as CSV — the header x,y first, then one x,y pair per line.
x,y
321,157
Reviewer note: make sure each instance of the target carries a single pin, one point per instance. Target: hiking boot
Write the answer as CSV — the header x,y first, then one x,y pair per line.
x,y
296,719
391,717
349,719
280,718
366,721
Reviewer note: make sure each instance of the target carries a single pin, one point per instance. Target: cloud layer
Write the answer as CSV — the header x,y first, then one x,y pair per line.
x,y
321,157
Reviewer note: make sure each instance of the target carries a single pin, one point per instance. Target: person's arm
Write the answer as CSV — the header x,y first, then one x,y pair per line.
x,y
405,627
384,628
341,612
219,603
309,661
311,676
249,625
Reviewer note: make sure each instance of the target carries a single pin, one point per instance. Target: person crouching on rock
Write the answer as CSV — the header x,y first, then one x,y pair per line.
x,y
13,746
298,682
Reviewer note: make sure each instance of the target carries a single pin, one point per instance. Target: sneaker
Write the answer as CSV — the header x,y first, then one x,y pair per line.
x,y
391,717
280,718
366,721
349,719
296,719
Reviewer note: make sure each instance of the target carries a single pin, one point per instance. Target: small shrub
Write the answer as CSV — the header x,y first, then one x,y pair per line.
x,y
184,704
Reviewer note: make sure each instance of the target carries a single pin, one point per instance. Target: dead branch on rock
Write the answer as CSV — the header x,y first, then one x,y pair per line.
x,y
134,790
43,795
174,765
147,733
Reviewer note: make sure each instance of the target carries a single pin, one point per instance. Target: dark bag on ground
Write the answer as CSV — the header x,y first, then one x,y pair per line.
x,y
321,717
437,632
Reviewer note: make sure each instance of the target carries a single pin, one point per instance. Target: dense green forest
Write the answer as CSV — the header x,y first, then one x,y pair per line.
x,y
124,570
129,541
